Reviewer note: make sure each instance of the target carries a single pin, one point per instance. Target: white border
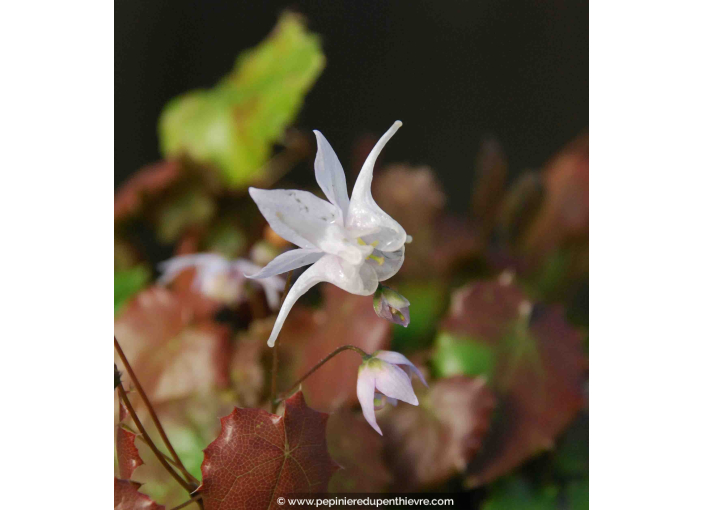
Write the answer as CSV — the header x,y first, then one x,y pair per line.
x,y
57,193
646,278
646,288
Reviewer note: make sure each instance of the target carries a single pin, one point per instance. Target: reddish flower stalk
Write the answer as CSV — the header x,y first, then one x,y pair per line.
x,y
186,503
153,415
139,436
123,396
320,364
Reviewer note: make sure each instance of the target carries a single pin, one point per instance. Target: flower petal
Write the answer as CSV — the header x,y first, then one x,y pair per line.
x,y
314,274
364,216
244,266
359,280
298,216
399,359
173,266
391,262
287,261
393,382
365,394
330,175
310,222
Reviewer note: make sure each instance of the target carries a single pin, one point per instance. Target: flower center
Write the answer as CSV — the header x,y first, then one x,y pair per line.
x,y
397,313
377,258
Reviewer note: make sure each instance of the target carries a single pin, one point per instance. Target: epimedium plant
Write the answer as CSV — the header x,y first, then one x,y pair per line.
x,y
491,384
496,348
351,243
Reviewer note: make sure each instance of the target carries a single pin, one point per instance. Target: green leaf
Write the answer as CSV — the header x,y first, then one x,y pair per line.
x,y
539,372
190,445
427,304
577,495
128,282
462,356
192,208
226,238
571,457
234,125
517,493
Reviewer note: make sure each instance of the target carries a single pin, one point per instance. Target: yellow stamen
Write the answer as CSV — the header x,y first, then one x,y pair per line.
x,y
379,259
398,314
362,243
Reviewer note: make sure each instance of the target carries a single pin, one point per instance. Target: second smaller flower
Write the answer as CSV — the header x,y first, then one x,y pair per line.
x,y
385,373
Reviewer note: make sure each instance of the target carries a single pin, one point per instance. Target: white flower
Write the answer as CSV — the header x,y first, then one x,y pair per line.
x,y
385,373
350,241
220,278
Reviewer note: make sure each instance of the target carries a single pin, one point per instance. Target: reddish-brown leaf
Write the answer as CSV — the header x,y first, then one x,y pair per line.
x,y
127,497
519,208
128,458
484,310
191,424
249,377
456,241
429,443
400,188
358,449
173,345
564,214
539,373
148,182
415,198
260,456
308,336
490,180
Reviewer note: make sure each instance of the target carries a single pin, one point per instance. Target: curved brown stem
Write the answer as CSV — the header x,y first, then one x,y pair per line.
x,y
186,503
320,364
123,396
139,436
152,414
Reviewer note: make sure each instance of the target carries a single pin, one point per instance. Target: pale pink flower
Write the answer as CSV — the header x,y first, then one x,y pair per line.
x,y
385,374
220,278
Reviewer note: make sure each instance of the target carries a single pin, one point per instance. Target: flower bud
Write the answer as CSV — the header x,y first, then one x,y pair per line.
x,y
392,306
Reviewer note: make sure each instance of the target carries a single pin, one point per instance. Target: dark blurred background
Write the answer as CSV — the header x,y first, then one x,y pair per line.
x,y
452,71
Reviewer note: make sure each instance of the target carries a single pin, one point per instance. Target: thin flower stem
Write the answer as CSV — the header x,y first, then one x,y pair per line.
x,y
152,413
139,436
186,503
320,364
123,396
275,362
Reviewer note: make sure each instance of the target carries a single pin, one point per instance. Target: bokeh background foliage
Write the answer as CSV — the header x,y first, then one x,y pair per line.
x,y
497,280
233,125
